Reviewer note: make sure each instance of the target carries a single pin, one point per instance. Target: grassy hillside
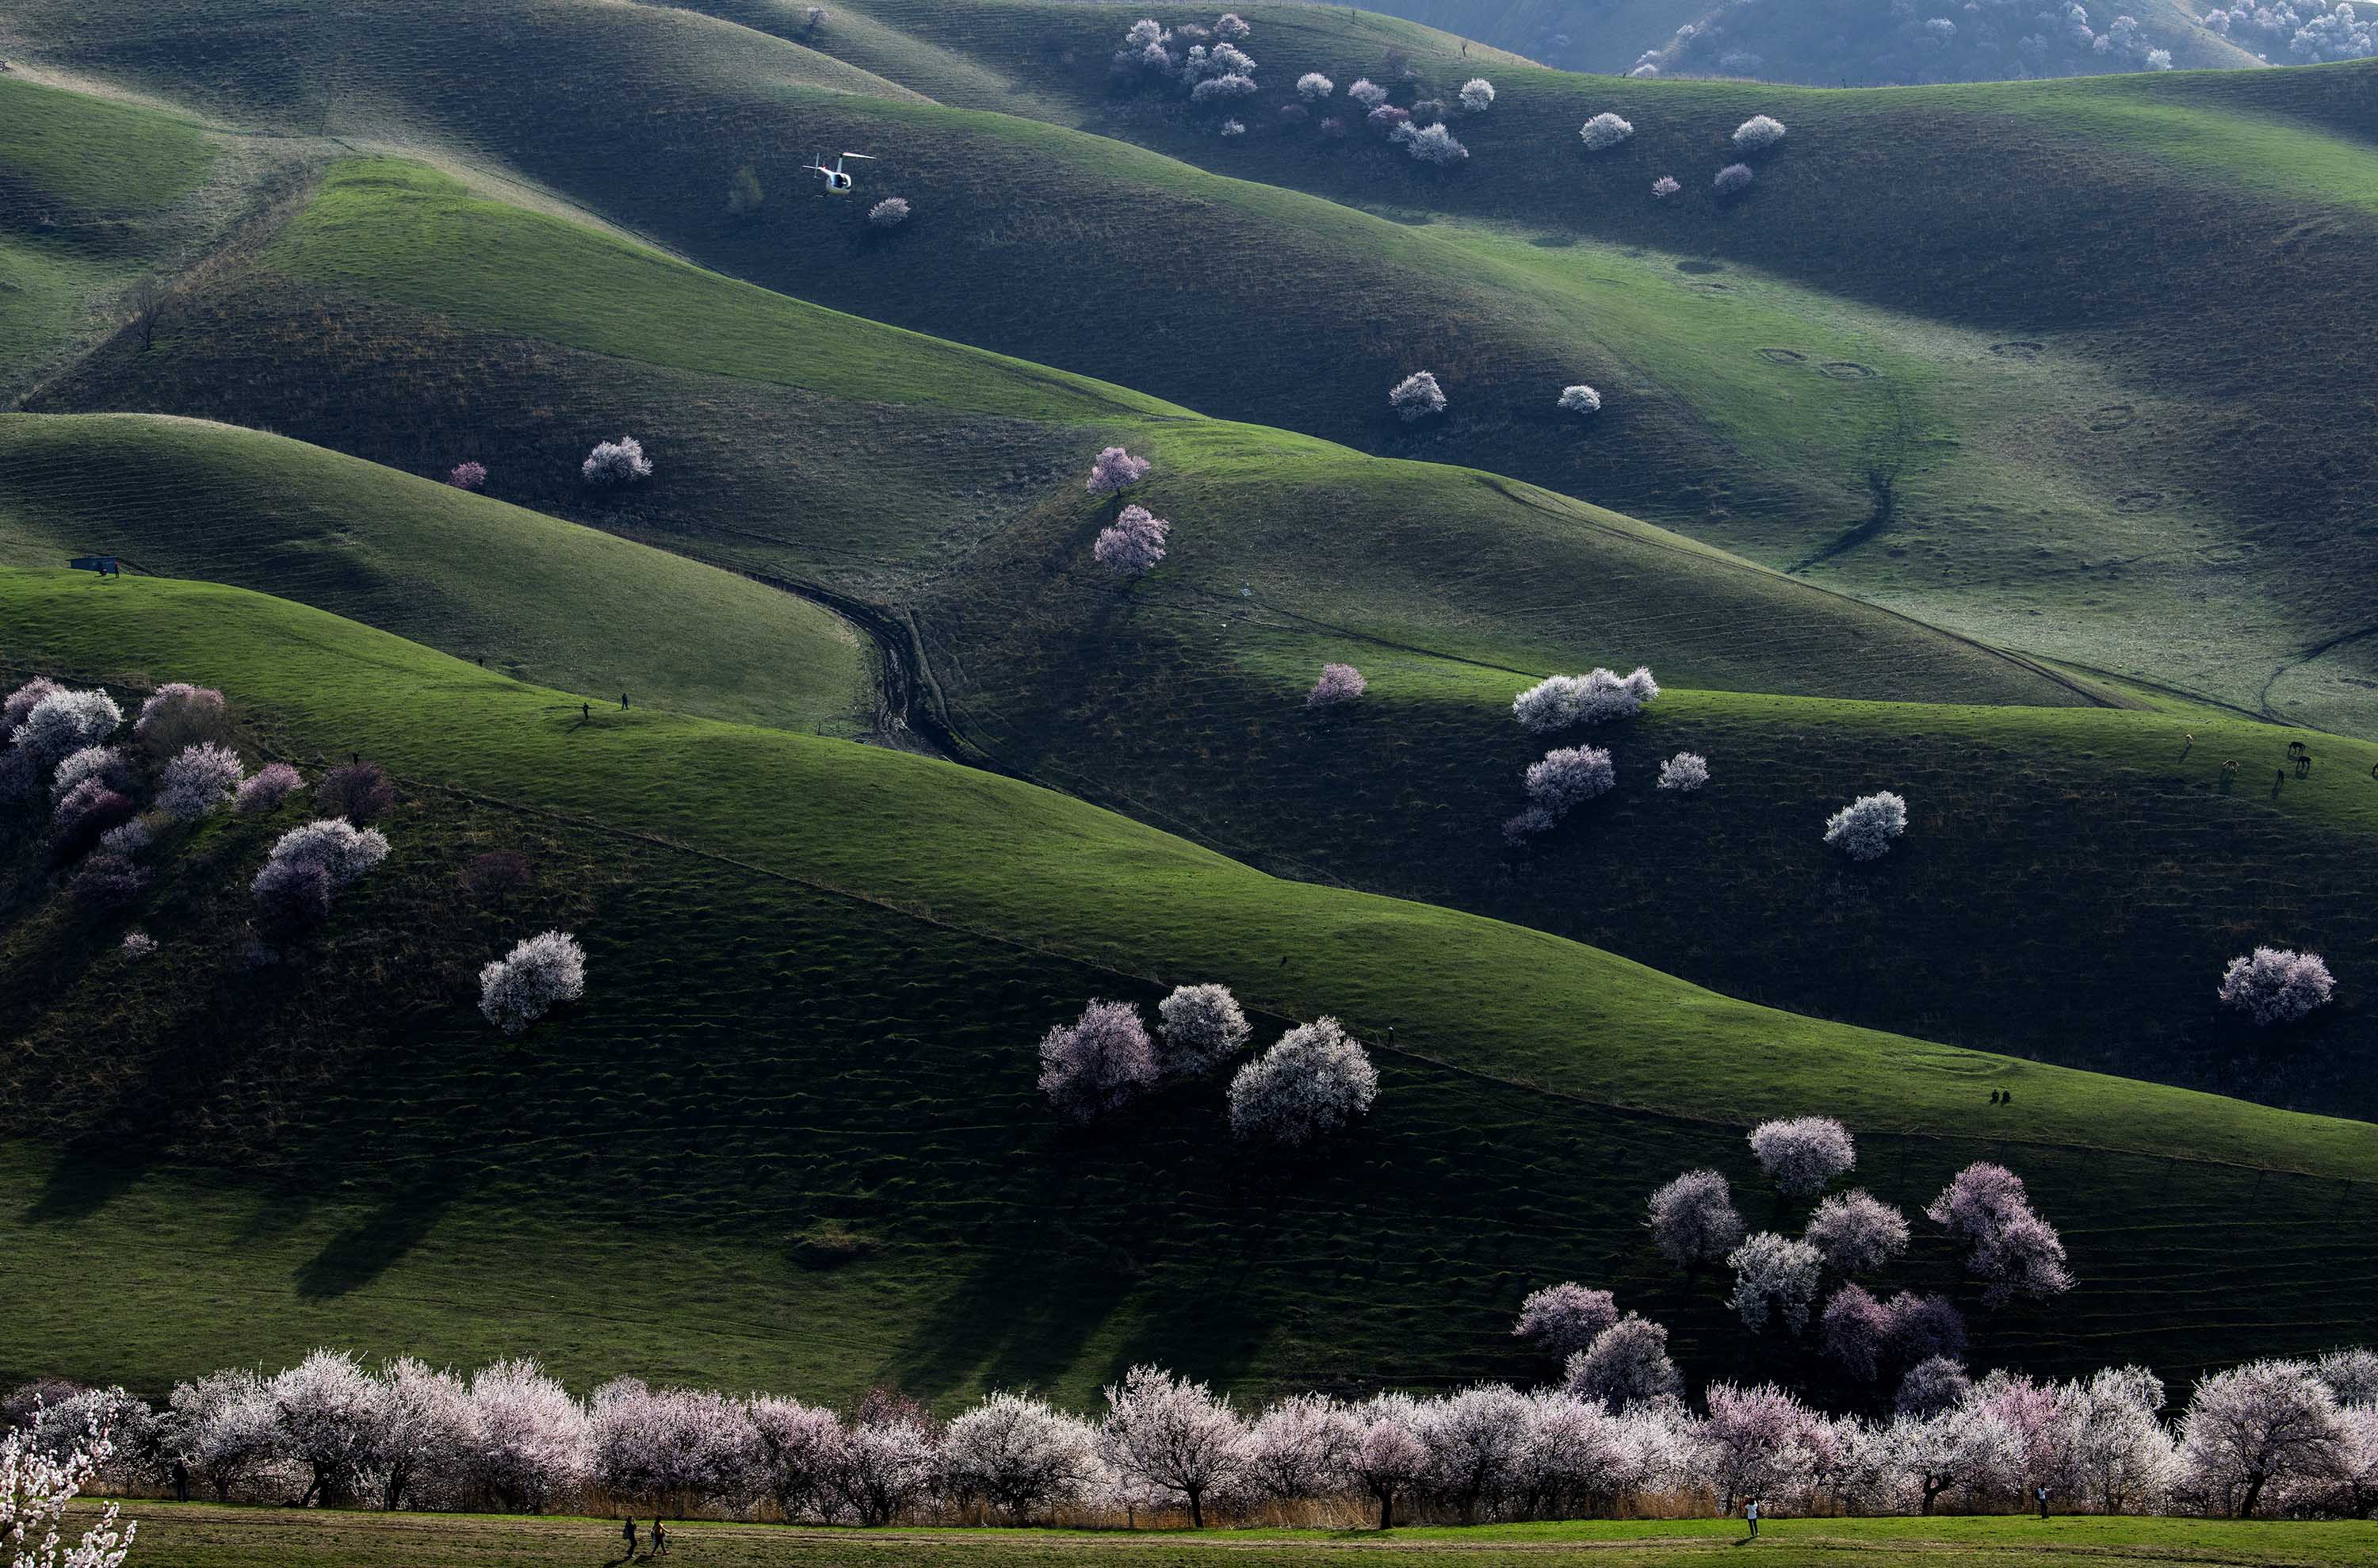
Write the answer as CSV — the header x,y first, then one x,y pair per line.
x,y
200,1537
864,999
515,591
2009,369
93,195
810,442
1857,43
1065,680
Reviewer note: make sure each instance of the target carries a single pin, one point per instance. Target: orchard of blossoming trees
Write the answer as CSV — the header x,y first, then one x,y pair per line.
x,y
1614,1435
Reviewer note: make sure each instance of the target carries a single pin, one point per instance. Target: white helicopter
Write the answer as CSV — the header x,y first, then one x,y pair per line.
x,y
835,180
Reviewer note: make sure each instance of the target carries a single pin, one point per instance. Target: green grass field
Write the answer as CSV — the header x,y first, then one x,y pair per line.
x,y
2057,493
513,590
202,1537
1060,678
590,1194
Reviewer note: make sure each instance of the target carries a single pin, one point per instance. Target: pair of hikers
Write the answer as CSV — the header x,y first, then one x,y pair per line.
x,y
660,1538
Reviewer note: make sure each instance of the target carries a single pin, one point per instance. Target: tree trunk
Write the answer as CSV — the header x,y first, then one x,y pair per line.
x,y
1196,1508
1387,1508
2254,1495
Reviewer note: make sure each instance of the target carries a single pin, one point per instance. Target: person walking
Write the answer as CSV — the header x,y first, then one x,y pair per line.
x,y
1750,1513
623,699
628,1534
660,1538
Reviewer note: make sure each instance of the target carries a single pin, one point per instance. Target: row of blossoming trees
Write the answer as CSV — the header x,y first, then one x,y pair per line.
x,y
59,745
2266,1438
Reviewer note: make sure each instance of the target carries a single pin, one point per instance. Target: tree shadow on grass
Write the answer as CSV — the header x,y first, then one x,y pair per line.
x,y
88,1177
365,1249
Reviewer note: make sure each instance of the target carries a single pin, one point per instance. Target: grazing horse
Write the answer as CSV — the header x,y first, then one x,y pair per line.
x,y
2188,748
2303,754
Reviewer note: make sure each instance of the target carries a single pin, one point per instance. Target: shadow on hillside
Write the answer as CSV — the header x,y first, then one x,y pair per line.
x,y
363,1251
86,1179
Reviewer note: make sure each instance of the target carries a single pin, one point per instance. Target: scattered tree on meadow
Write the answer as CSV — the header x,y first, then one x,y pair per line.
x,y
1369,94
360,791
2015,1251
1733,179
1174,1436
1932,1385
106,764
266,787
1225,89
1561,1320
467,476
1559,702
1757,134
1388,120
1133,544
1569,776
2276,985
1685,772
1802,1153
1389,1459
527,983
1097,1064
1301,1447
1416,396
1317,1081
35,1490
1477,95
1628,1364
310,865
1312,87
1339,683
888,213
2253,1424
60,723
616,463
1115,470
1853,1331
1864,829
1666,186
1603,132
1693,1219
1200,1026
1774,1274
1432,144
325,1414
1230,28
199,780
178,715
1857,1232
1017,1455
496,874
1580,399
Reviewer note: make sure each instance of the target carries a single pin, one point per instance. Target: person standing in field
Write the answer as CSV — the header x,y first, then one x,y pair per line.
x,y
1750,1513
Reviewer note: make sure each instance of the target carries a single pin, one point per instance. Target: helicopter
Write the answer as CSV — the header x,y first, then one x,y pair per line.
x,y
836,181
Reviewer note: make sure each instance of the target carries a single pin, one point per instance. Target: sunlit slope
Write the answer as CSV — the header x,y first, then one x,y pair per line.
x,y
93,193
793,438
815,973
2097,446
510,590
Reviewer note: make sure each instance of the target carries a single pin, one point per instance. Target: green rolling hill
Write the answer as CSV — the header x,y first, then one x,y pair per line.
x,y
2011,373
1041,665
1846,44
658,1178
513,590
2032,510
